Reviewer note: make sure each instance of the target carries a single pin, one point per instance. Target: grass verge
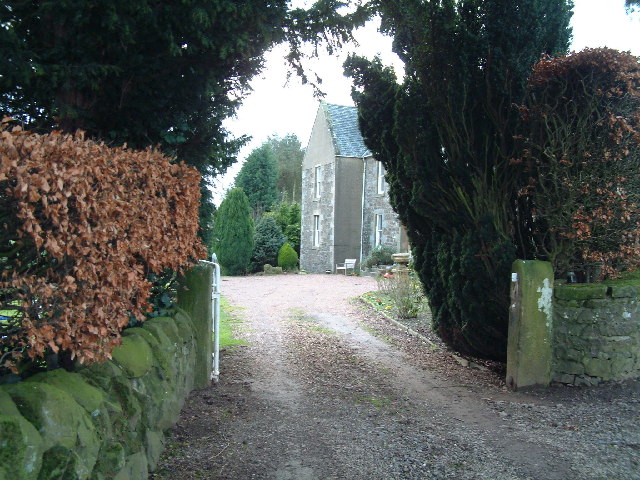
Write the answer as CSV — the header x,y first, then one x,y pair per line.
x,y
230,324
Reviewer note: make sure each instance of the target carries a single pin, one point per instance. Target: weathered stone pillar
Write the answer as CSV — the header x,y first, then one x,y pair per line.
x,y
195,299
529,349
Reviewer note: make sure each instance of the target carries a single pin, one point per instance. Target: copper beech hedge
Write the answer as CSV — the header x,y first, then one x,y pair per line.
x,y
582,161
84,225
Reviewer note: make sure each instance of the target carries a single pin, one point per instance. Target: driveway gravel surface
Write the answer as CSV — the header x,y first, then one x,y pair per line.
x,y
325,388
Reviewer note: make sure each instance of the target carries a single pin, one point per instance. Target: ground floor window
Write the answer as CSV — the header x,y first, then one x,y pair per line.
x,y
316,230
378,230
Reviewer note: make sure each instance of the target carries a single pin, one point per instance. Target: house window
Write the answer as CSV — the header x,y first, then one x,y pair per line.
x,y
316,230
380,175
378,230
316,182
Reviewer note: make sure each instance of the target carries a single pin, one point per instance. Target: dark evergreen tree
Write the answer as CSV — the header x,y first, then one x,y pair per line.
x,y
233,233
268,240
152,73
289,154
445,137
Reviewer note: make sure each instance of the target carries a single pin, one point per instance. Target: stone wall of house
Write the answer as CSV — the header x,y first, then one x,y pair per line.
x,y
596,333
320,150
317,259
378,204
106,421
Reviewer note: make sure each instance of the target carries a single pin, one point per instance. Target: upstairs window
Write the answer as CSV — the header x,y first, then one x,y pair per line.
x,y
317,178
380,176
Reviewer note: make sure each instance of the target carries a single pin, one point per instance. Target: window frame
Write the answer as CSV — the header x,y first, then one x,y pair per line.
x,y
317,177
380,177
377,229
316,231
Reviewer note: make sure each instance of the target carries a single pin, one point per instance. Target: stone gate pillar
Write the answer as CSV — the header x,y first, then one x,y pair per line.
x,y
195,298
529,349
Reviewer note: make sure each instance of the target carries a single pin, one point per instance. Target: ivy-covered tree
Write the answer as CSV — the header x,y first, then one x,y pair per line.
x,y
268,240
149,73
289,154
445,137
233,233
257,178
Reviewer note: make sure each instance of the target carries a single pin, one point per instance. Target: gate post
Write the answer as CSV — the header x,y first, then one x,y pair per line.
x,y
529,349
195,299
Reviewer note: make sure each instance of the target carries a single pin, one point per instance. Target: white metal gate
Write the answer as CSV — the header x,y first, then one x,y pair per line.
x,y
215,311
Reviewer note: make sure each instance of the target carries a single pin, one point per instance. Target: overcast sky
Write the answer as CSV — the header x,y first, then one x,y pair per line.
x,y
276,107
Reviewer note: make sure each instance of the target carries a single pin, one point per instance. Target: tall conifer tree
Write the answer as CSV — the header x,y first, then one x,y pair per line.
x,y
445,136
257,178
233,233
289,154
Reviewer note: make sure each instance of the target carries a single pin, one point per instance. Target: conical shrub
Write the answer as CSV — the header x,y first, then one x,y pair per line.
x,y
287,257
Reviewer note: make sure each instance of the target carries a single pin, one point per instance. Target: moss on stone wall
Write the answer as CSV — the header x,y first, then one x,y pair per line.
x,y
134,356
60,420
195,298
21,446
89,397
596,332
580,291
107,420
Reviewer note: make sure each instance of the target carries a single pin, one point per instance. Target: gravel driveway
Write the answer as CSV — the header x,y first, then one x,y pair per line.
x,y
327,389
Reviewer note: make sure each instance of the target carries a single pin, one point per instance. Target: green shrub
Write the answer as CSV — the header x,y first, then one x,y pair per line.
x,y
287,216
268,240
380,255
404,290
287,257
447,181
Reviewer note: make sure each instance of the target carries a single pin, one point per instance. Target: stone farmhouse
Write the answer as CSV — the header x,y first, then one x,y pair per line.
x,y
345,203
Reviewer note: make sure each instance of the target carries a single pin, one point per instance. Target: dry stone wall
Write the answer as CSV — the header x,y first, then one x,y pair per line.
x,y
106,420
596,333
577,334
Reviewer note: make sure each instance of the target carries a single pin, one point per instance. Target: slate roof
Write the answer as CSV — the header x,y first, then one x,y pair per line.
x,y
343,123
